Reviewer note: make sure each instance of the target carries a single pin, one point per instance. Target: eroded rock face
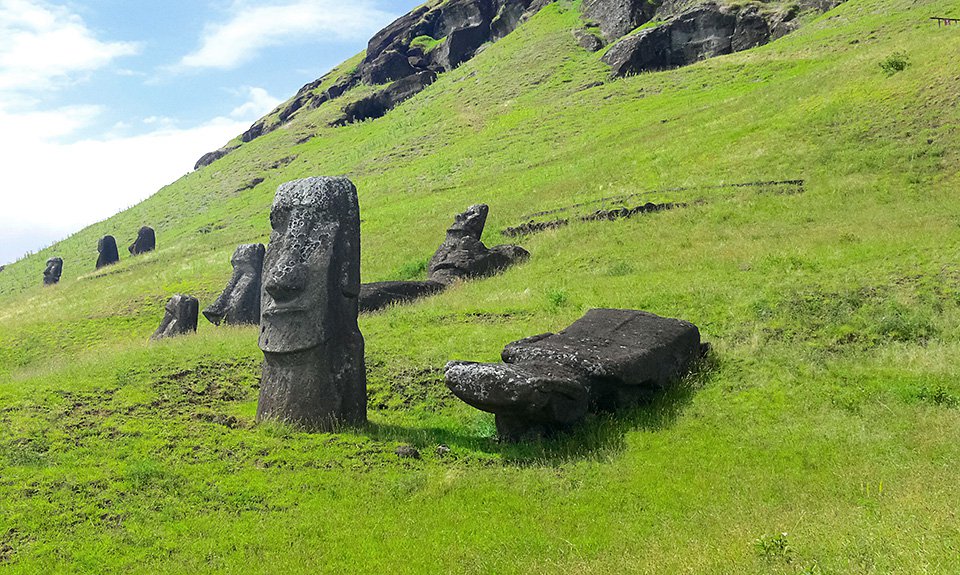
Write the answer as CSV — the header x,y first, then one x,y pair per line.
x,y
51,275
376,296
146,242
211,157
180,317
606,360
617,18
107,246
379,103
239,304
313,373
462,255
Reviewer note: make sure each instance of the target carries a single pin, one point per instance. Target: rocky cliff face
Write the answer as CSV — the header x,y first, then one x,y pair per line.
x,y
406,56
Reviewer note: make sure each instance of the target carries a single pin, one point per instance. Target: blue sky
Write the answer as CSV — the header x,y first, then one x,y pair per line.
x,y
102,102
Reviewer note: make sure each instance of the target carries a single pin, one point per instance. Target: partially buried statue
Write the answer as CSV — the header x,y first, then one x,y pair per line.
x,y
239,303
313,371
107,246
146,242
54,270
181,316
462,255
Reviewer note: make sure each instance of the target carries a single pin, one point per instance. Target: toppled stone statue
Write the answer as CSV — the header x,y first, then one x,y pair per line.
x,y
240,302
606,360
181,316
462,255
107,246
379,295
146,242
54,270
313,371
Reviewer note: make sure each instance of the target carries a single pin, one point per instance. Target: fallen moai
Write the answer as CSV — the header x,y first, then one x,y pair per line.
x,y
146,242
107,247
462,255
239,303
375,296
608,359
54,270
313,371
180,317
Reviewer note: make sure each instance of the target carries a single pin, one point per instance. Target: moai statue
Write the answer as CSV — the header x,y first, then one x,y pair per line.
x,y
107,246
146,242
240,301
313,372
180,318
462,255
54,270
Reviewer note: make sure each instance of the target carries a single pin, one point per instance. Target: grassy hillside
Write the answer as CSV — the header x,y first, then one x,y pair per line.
x,y
830,410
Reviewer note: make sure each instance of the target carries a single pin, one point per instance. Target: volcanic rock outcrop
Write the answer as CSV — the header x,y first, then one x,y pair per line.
x,y
107,247
239,304
146,242
606,360
180,317
313,371
51,275
462,255
376,296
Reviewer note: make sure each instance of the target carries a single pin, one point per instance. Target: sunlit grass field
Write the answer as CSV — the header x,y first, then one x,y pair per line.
x,y
821,436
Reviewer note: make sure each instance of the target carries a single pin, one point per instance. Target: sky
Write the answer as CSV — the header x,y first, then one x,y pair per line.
x,y
103,102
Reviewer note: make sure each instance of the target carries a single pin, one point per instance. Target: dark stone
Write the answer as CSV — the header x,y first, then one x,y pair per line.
x,y
54,270
146,242
587,41
107,246
462,255
239,304
752,30
617,18
606,360
313,372
211,157
379,103
180,317
408,452
376,296
443,450
390,65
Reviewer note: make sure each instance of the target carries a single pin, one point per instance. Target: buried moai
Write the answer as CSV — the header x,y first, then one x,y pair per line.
x,y
239,303
462,255
180,317
54,270
107,246
608,359
146,242
313,371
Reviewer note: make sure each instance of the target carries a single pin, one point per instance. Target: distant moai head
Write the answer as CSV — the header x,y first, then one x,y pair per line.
x,y
311,269
54,270
240,301
107,246
470,223
180,317
146,241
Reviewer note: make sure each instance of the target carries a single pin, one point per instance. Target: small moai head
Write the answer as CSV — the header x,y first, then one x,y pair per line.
x,y
311,269
180,317
107,246
54,270
470,223
146,241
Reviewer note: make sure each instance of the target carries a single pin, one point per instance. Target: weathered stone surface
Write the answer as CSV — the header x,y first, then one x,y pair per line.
x,y
379,103
619,17
462,255
107,247
313,373
51,275
587,41
211,157
146,242
376,296
180,318
606,360
239,304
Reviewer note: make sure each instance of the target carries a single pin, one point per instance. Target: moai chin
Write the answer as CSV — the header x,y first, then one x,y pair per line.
x,y
54,270
239,303
313,371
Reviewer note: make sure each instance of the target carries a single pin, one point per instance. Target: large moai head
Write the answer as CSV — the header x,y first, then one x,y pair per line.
x,y
54,270
240,302
107,246
146,242
313,371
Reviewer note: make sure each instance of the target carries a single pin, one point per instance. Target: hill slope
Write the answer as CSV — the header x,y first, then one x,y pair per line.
x,y
831,410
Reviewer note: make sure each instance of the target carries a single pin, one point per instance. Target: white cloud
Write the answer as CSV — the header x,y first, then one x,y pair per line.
x,y
254,26
53,188
44,45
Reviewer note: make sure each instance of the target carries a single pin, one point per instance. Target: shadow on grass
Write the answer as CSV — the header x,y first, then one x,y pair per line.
x,y
599,437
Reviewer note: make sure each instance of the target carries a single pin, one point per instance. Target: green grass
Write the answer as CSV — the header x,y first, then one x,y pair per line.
x,y
829,411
